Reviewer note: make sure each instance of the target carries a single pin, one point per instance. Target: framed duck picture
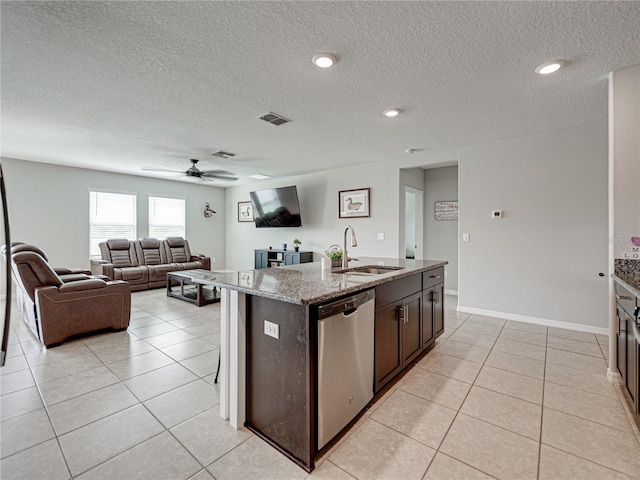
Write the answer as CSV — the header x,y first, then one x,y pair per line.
x,y
245,212
354,203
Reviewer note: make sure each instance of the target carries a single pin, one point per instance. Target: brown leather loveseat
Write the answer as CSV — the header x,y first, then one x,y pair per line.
x,y
144,263
55,310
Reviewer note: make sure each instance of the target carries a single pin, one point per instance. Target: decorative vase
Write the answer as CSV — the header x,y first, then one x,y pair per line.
x,y
296,248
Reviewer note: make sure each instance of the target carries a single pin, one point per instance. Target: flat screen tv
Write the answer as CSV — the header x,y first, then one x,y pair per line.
x,y
276,207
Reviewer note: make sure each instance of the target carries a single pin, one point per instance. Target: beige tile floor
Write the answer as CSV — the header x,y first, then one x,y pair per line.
x,y
493,399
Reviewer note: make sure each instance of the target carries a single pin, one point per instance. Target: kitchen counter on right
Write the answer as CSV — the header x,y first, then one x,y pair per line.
x,y
627,274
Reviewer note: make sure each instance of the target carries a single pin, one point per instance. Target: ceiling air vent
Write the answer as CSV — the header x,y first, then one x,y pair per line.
x,y
223,154
274,118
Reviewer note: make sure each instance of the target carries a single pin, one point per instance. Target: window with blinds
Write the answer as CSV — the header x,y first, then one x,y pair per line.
x,y
112,215
166,217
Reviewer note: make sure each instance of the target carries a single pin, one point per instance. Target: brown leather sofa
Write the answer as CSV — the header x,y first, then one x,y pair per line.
x,y
55,310
144,263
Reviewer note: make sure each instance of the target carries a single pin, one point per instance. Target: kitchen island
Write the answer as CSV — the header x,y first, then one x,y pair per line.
x,y
269,339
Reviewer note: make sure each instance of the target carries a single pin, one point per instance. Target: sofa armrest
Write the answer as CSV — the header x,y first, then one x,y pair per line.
x,y
206,261
82,285
102,267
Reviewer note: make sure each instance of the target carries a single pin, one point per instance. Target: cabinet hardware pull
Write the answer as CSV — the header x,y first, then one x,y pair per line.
x,y
624,297
436,297
434,276
401,312
406,314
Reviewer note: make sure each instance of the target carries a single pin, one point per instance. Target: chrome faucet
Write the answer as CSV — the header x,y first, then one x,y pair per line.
x,y
354,243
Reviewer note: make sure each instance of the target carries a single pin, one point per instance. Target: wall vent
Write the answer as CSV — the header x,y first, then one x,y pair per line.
x,y
223,154
274,119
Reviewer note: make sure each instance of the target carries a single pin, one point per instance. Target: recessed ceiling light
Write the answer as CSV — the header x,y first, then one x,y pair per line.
x,y
324,60
391,112
259,176
550,67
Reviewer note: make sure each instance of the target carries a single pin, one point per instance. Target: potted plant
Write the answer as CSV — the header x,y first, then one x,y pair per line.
x,y
335,254
296,244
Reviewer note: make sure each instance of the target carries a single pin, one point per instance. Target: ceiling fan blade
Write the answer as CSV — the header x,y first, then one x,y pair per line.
x,y
227,178
205,179
218,171
149,169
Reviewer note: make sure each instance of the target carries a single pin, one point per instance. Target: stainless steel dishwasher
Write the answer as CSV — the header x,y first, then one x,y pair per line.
x,y
345,362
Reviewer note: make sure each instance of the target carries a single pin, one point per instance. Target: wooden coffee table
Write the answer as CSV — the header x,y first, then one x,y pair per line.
x,y
181,286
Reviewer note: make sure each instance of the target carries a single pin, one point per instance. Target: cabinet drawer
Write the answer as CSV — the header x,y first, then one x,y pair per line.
x,y
397,290
432,277
625,299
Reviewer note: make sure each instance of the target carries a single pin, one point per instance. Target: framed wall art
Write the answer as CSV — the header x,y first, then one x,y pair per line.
x,y
245,212
354,203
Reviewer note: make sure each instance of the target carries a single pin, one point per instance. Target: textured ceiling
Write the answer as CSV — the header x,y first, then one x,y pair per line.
x,y
118,86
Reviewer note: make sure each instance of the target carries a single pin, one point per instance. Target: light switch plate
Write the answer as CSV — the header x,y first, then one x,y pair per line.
x,y
381,236
271,329
465,237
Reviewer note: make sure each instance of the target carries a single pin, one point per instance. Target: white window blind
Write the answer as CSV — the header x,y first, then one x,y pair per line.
x,y
166,217
112,215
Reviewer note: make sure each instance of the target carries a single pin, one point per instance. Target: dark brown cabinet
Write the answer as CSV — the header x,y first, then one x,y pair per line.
x,y
628,343
397,339
409,317
432,306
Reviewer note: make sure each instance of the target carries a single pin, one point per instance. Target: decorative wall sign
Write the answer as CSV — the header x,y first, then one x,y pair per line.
x,y
245,212
354,203
446,210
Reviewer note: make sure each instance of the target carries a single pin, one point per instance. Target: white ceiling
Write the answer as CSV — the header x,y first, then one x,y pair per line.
x,y
118,86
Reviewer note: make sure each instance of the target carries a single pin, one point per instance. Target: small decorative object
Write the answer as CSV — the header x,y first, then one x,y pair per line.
x,y
245,212
296,244
446,210
354,203
334,252
284,246
208,212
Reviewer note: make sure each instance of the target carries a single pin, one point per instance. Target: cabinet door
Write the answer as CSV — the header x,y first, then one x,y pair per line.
x,y
291,258
622,343
261,259
411,328
438,310
428,336
631,379
388,347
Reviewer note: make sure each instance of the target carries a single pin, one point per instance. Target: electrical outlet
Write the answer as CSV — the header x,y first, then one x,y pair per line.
x,y
213,259
465,237
271,329
381,236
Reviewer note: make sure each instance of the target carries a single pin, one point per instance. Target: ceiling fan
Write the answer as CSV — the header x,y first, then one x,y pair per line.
x,y
205,175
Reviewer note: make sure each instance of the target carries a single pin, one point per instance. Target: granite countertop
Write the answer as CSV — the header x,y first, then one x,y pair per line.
x,y
308,283
630,281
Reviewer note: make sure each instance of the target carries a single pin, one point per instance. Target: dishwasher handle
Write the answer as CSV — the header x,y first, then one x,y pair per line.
x,y
346,305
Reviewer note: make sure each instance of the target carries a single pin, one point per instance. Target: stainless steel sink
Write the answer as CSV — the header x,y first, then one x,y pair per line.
x,y
369,269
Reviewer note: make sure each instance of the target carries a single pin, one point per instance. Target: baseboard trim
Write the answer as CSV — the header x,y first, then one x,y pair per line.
x,y
451,292
538,321
614,376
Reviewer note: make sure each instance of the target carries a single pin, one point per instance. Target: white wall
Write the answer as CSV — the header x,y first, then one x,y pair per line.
x,y
625,149
49,207
441,237
321,227
543,258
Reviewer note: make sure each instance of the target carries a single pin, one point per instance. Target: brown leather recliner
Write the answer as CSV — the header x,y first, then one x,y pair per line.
x,y
55,310
178,252
120,262
145,263
152,254
66,274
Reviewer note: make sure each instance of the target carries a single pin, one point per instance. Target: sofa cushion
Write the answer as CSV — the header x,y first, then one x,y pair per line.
x,y
150,252
177,250
133,275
